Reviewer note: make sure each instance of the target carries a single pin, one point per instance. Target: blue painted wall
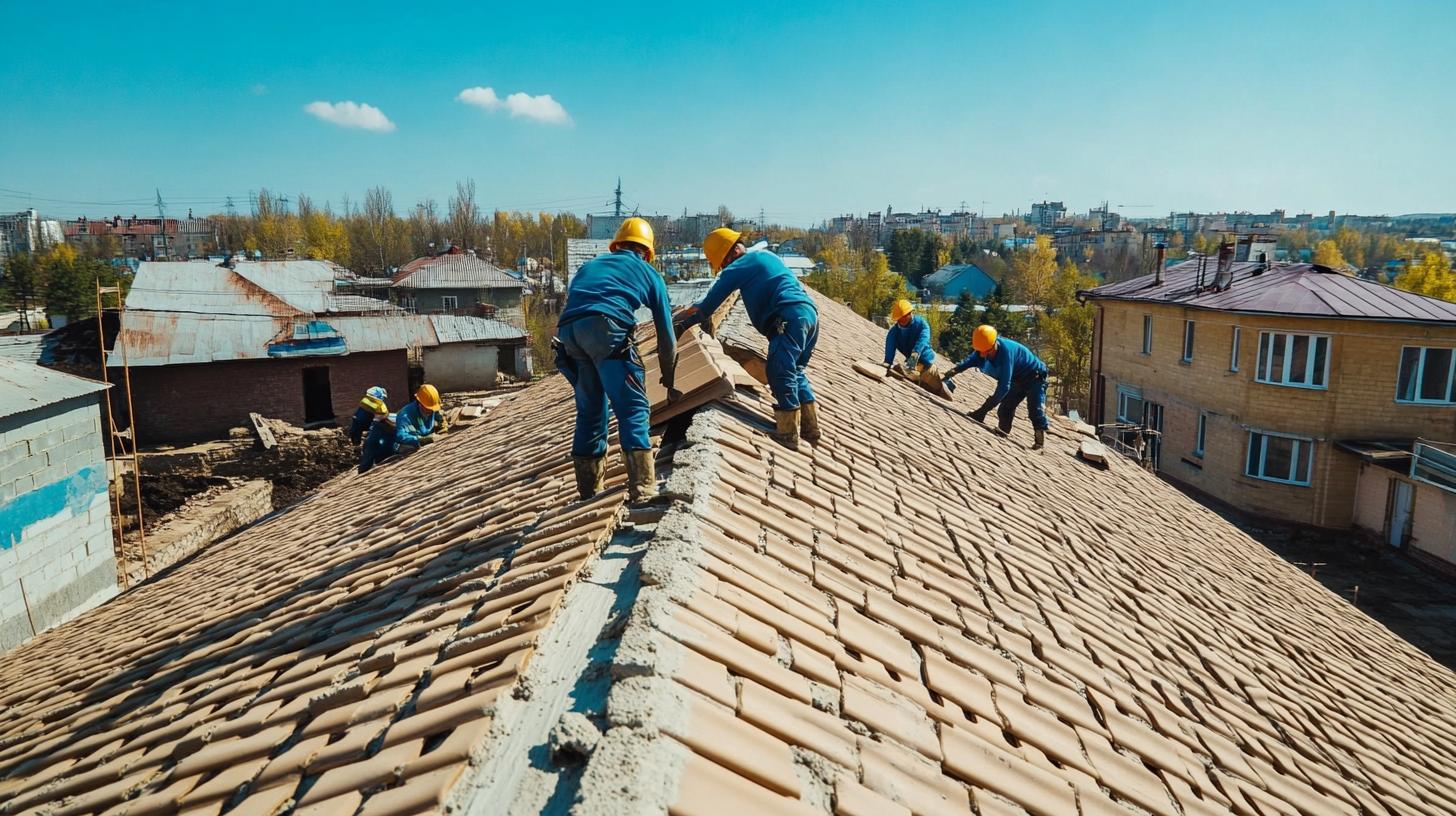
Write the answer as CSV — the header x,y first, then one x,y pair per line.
x,y
74,493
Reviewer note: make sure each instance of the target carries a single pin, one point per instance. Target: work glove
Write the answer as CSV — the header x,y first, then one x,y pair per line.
x,y
426,439
912,362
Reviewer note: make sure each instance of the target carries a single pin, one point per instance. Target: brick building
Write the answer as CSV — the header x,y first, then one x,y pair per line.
x,y
146,238
1253,376
208,344
56,558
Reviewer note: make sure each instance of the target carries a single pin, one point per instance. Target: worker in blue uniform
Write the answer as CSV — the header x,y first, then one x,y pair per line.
x,y
596,351
780,310
405,432
909,335
1019,375
374,404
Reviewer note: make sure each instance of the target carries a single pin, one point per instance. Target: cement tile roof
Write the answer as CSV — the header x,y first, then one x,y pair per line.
x,y
913,616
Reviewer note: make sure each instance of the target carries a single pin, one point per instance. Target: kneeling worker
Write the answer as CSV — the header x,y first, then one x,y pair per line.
x,y
374,404
910,336
1019,375
597,353
405,432
782,311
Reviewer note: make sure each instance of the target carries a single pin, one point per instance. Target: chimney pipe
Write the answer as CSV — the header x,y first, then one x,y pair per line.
x,y
1160,251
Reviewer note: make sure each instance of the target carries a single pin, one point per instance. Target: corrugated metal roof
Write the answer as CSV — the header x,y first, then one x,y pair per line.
x,y
454,272
1289,289
22,348
250,287
25,387
460,329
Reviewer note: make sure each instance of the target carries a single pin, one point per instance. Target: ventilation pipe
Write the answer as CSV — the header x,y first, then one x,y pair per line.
x,y
1160,251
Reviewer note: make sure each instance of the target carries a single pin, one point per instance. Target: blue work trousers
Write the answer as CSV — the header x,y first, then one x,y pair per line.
x,y
790,345
599,359
1033,390
378,445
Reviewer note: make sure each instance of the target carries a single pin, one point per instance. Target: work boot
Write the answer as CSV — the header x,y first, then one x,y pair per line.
x,y
809,422
641,476
1040,439
591,473
788,427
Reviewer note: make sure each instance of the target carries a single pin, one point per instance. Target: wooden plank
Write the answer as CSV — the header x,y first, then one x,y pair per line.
x,y
262,432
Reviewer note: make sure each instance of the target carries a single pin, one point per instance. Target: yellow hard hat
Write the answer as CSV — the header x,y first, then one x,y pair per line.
x,y
635,231
983,339
374,405
717,245
901,310
428,397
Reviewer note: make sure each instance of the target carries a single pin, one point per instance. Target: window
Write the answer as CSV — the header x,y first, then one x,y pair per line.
x,y
1129,406
1234,355
449,302
1147,334
1202,435
408,304
1188,341
1279,458
1426,375
1299,360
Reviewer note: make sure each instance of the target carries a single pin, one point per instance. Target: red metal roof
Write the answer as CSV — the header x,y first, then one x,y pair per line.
x,y
1289,289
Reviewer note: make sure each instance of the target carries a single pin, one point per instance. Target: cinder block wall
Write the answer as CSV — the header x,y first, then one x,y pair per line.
x,y
56,558
193,403
1358,403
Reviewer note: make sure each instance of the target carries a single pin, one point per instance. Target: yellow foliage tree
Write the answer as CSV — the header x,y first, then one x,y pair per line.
x,y
1327,253
1431,277
325,238
1032,272
1065,338
861,280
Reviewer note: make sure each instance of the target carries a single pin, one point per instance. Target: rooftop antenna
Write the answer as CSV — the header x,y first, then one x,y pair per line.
x,y
617,205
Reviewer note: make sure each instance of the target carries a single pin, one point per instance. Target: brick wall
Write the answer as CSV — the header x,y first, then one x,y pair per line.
x,y
191,403
56,557
1358,403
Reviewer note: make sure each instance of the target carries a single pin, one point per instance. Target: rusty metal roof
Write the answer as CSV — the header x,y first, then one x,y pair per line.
x,y
1283,289
200,312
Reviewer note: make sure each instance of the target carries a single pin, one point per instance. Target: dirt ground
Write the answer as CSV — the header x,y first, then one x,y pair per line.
x,y
1411,599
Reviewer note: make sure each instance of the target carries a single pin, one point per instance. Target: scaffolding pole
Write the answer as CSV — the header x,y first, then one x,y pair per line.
x,y
136,462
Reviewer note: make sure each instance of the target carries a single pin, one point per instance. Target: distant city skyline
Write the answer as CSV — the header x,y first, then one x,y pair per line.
x,y
804,111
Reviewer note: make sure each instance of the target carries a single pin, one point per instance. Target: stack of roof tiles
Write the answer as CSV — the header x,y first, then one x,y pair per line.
x,y
913,616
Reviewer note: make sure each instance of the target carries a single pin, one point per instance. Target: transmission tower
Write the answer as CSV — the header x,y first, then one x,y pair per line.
x,y
162,223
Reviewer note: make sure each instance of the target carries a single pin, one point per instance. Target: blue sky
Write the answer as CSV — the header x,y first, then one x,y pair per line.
x,y
803,110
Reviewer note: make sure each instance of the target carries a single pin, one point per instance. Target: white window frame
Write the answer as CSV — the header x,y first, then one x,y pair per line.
x,y
1234,354
1420,375
1124,393
1200,435
1263,370
449,302
407,303
1147,334
1302,446
1188,334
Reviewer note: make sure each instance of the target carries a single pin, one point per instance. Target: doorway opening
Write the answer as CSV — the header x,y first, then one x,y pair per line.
x,y
318,396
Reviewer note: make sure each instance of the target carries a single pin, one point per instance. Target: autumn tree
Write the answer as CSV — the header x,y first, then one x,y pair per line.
x,y
23,285
1064,338
1431,276
1327,253
1032,272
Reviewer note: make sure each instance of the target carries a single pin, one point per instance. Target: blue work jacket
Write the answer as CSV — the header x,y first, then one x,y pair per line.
x,y
1011,361
767,287
911,338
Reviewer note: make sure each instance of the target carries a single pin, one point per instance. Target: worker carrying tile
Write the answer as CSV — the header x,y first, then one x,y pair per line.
x,y
1019,375
400,434
780,310
596,351
909,335
375,403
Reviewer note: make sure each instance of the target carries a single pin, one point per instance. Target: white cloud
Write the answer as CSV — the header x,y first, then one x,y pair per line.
x,y
351,115
523,105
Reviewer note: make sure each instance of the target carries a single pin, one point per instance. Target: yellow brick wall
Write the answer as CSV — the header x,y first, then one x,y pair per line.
x,y
1359,401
